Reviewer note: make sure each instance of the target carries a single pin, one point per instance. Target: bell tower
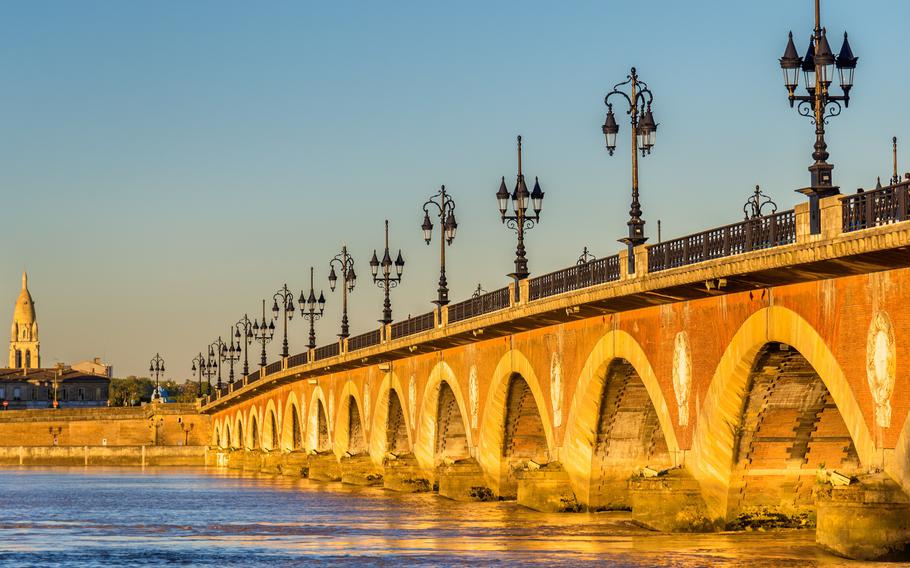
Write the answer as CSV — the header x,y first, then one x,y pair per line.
x,y
24,349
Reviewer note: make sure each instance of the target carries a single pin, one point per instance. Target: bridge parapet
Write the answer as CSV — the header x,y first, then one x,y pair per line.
x,y
736,257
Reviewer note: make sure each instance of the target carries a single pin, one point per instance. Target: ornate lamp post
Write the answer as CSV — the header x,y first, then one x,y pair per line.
x,y
231,354
348,280
644,134
520,221
187,427
208,368
312,313
243,334
216,349
445,206
386,280
287,308
263,333
156,369
818,104
199,368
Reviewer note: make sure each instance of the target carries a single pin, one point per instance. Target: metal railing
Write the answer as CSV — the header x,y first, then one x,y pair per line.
x,y
478,305
749,235
252,377
364,340
414,325
575,277
298,359
326,351
866,209
273,367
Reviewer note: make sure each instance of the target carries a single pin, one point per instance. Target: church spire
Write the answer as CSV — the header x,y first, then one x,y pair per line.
x,y
24,348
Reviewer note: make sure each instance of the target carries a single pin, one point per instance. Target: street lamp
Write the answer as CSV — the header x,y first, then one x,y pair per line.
x,y
818,104
287,308
156,369
445,206
215,351
348,279
208,368
230,353
243,334
263,333
386,280
314,310
520,221
187,427
199,368
644,134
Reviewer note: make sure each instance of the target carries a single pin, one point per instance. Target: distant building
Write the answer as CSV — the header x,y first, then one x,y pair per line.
x,y
39,388
95,367
26,385
24,349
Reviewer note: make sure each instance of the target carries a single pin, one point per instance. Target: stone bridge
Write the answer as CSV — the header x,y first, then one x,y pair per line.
x,y
750,374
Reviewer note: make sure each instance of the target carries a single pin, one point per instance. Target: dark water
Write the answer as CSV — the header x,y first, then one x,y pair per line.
x,y
128,517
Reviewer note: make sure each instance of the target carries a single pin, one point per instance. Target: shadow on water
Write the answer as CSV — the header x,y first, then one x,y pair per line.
x,y
192,517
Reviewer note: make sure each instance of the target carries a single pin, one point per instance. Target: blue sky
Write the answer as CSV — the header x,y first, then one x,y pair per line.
x,y
165,165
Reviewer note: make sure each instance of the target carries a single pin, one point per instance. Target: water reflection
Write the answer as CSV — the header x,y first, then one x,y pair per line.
x,y
107,517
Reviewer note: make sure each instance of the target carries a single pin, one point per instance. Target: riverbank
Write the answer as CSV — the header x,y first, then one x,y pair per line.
x,y
135,456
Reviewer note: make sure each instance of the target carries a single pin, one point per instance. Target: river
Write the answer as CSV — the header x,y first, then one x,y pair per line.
x,y
107,517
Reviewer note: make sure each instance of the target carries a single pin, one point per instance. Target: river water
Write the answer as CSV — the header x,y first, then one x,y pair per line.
x,y
193,517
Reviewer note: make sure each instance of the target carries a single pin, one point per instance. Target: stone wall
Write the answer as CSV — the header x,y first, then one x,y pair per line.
x,y
110,427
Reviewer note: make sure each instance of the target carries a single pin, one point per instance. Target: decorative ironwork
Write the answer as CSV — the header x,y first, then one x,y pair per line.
x,y
867,209
243,335
364,340
231,353
644,134
348,279
273,368
298,359
582,275
479,291
314,310
818,104
263,333
520,221
199,368
326,351
286,297
414,325
479,304
156,369
384,278
756,204
585,257
752,234
445,207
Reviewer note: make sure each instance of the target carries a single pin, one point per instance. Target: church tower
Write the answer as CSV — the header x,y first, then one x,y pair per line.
x,y
24,352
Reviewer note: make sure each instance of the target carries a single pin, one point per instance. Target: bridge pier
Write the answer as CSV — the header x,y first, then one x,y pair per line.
x,y
866,520
251,460
294,464
324,466
360,470
235,459
405,474
464,480
671,502
547,490
271,462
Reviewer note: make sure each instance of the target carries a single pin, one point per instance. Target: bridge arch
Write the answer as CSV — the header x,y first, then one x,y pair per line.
x,y
441,380
253,429
580,439
226,439
390,431
350,431
270,430
292,431
216,434
900,465
513,374
721,413
319,427
238,440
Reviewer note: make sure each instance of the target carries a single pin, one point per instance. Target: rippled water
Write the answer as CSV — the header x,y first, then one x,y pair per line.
x,y
128,517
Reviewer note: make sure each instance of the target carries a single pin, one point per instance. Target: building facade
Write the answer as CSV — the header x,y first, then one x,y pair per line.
x,y
25,384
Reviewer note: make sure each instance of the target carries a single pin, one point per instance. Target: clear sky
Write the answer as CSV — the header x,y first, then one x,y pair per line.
x,y
165,165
